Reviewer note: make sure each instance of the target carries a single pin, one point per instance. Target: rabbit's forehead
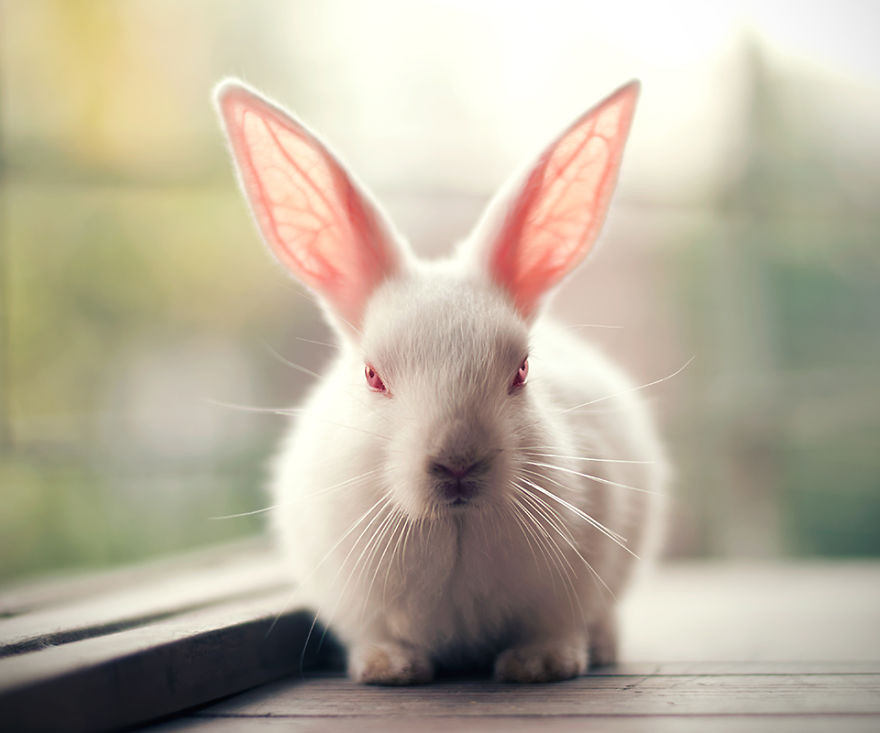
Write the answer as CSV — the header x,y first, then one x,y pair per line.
x,y
443,325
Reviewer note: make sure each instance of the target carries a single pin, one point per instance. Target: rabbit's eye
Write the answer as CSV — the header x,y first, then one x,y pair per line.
x,y
521,374
374,381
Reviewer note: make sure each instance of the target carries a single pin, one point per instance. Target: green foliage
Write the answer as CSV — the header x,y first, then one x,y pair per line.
x,y
134,290
61,511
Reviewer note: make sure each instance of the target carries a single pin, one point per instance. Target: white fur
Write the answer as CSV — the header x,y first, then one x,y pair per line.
x,y
469,586
524,574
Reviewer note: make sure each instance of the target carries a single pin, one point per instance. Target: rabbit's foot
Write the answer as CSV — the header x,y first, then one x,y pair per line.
x,y
388,663
549,661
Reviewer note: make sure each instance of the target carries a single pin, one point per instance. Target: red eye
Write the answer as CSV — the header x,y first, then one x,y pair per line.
x,y
374,381
520,379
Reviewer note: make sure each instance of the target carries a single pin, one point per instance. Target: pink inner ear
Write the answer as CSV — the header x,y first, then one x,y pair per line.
x,y
307,208
560,210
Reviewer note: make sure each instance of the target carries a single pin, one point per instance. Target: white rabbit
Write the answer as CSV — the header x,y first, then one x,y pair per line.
x,y
448,496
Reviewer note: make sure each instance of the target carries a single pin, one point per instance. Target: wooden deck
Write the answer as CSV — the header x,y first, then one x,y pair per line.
x,y
706,646
739,699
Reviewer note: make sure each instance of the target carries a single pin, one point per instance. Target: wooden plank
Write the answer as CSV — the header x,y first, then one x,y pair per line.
x,y
753,668
45,592
698,611
112,681
694,694
771,620
135,604
548,723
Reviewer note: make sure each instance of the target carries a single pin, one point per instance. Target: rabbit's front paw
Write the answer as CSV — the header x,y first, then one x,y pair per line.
x,y
560,659
387,663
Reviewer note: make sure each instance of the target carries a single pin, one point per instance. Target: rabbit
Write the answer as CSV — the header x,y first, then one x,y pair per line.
x,y
448,497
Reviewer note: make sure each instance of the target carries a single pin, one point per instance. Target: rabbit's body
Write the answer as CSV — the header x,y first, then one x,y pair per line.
x,y
466,585
435,508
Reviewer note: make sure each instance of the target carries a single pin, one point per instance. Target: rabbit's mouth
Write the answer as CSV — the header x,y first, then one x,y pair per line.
x,y
457,483
461,505
456,506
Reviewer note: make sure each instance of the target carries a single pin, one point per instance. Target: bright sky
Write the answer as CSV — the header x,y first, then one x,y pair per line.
x,y
435,95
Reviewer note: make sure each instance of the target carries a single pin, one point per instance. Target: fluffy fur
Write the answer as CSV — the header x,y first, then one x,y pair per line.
x,y
457,519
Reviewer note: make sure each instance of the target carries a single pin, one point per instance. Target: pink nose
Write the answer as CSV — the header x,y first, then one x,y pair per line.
x,y
453,471
441,470
458,483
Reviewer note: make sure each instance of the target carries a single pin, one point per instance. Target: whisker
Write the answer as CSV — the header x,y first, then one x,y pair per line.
x,y
290,411
365,548
590,476
586,562
593,459
382,503
609,533
292,365
633,389
546,511
525,534
399,521
317,343
548,546
309,495
556,523
351,529
553,481
541,508
350,325
341,484
239,515
249,408
407,527
569,577
539,475
372,543
379,503
377,541
419,527
368,549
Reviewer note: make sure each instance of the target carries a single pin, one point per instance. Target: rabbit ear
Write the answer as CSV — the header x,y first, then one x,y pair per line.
x,y
540,234
311,213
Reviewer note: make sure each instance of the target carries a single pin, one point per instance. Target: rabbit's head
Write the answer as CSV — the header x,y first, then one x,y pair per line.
x,y
437,353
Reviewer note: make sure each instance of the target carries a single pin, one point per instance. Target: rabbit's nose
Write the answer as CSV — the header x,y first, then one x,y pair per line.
x,y
453,470
458,481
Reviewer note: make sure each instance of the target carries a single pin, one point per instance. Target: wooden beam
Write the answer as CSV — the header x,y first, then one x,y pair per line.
x,y
121,679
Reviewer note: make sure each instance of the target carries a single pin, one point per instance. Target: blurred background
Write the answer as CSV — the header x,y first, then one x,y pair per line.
x,y
135,294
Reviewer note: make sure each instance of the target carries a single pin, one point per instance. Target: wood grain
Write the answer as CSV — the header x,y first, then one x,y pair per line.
x,y
111,681
700,610
56,590
547,723
602,695
706,647
136,603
